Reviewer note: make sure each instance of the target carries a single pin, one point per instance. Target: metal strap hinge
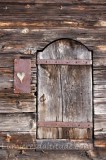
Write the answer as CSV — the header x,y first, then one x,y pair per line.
x,y
65,124
64,62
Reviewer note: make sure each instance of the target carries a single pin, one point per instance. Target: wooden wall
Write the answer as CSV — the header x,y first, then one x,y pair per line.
x,y
27,26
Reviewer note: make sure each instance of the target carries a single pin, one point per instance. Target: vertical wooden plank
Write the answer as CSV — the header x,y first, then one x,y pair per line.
x,y
76,89
49,93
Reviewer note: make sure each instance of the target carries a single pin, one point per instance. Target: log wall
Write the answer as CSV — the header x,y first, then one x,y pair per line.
x,y
26,27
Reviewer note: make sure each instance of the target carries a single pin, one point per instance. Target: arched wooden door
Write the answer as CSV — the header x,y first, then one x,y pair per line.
x,y
64,102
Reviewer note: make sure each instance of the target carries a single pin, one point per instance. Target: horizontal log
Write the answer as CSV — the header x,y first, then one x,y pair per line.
x,y
99,62
27,140
74,22
17,122
8,61
100,125
50,11
17,140
17,105
55,1
100,94
20,96
15,41
101,143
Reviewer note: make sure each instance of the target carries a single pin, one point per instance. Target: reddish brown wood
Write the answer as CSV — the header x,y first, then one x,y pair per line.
x,y
22,76
64,62
65,124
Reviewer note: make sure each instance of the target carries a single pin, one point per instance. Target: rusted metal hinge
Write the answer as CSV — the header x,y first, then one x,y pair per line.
x,y
64,62
65,124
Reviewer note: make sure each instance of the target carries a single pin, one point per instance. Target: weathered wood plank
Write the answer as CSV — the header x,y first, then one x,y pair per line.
x,y
100,126
17,140
100,62
5,95
37,39
53,12
76,88
100,143
16,105
18,122
74,22
55,1
49,88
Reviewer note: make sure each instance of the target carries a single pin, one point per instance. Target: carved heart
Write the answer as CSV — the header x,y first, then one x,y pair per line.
x,y
21,76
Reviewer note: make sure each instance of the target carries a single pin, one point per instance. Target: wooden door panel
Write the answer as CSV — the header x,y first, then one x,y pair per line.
x,y
64,92
49,94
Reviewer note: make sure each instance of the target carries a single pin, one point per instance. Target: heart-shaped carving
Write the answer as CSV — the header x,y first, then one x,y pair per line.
x,y
21,76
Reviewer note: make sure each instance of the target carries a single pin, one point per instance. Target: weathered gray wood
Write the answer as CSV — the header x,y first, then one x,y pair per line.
x,y
100,125
18,122
100,143
23,32
76,88
66,91
49,93
100,102
17,105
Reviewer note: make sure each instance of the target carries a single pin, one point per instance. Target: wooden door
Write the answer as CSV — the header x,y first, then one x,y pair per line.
x,y
64,102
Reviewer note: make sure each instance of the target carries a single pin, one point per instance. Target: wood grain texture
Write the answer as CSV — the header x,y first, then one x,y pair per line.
x,y
37,39
18,122
29,25
17,140
64,92
55,1
7,74
76,89
52,16
17,105
49,93
32,155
